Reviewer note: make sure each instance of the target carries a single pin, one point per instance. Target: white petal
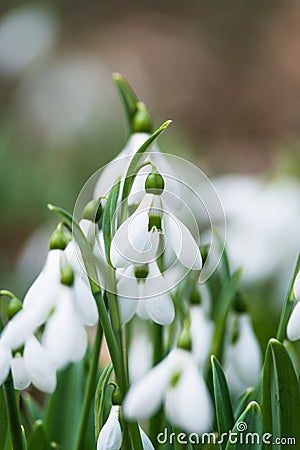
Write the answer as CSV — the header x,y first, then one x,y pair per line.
x,y
201,333
19,373
39,366
140,356
110,436
127,289
64,337
132,237
188,404
293,327
89,230
85,302
182,242
147,444
247,364
41,296
5,360
297,287
160,309
145,397
19,328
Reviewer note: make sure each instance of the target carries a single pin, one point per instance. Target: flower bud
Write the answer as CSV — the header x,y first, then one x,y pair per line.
x,y
93,211
154,183
59,240
13,307
141,122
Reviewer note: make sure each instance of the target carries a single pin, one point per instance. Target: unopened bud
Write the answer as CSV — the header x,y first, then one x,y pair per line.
x,y
13,307
154,183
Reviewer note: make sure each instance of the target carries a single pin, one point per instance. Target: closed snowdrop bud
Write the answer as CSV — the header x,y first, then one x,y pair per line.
x,y
293,327
110,436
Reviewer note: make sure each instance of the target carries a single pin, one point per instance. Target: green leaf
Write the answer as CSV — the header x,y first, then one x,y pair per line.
x,y
224,411
134,167
222,310
38,439
99,397
242,402
109,219
247,432
64,407
288,305
4,428
128,96
281,400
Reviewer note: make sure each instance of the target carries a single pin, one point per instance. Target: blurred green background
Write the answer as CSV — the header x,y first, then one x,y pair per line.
x,y
227,73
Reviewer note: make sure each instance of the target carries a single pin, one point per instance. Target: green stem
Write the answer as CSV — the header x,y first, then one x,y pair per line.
x,y
158,354
13,413
288,305
90,391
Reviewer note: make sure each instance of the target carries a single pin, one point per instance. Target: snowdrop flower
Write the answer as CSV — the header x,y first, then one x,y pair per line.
x,y
137,239
242,356
140,354
34,366
177,383
110,436
136,295
201,334
293,327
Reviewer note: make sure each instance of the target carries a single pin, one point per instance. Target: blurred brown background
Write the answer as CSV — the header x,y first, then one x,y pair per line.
x,y
227,73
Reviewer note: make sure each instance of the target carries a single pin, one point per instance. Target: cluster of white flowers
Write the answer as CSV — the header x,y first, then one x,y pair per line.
x,y
49,331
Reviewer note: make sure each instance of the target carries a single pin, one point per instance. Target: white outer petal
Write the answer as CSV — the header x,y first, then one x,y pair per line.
x,y
201,334
127,289
20,327
182,242
84,302
147,444
5,360
132,237
188,405
140,356
19,372
293,326
110,436
145,397
160,309
247,363
39,366
297,287
64,337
